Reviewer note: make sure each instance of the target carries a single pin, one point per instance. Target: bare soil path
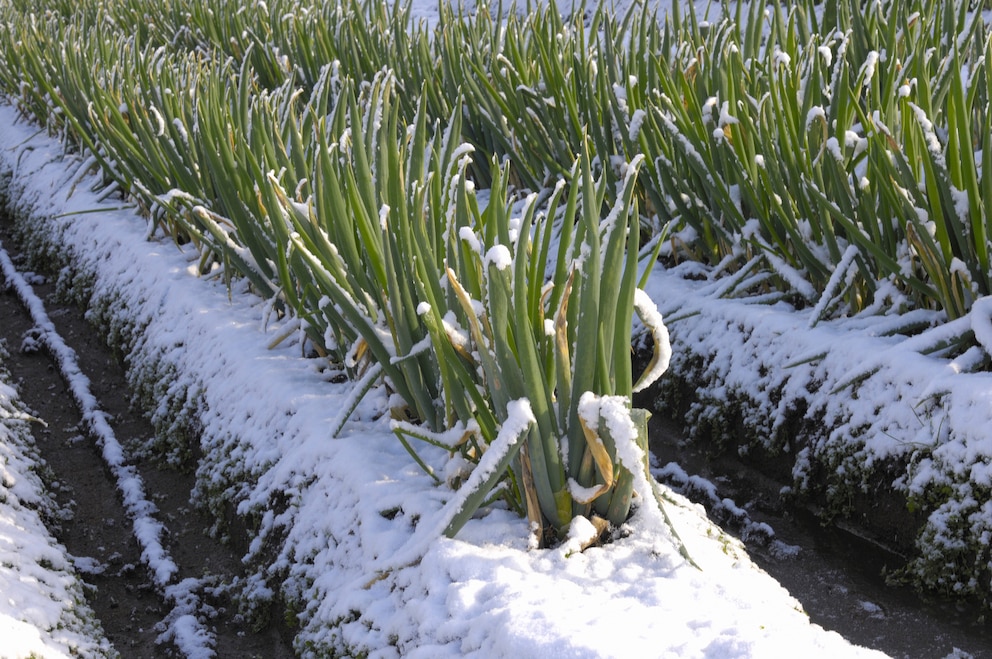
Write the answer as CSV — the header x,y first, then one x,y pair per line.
x,y
95,527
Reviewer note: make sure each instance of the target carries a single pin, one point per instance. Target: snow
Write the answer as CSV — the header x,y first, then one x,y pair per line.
x,y
647,311
981,322
499,257
467,235
781,58
349,528
816,113
833,286
869,67
636,121
826,54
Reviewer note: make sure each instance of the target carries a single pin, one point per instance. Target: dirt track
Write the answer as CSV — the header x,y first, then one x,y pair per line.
x,y
95,525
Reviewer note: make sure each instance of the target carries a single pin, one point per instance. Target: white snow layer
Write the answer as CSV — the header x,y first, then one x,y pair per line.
x,y
331,512
877,398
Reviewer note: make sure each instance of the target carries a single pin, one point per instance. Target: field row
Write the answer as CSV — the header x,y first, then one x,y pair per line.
x,y
527,168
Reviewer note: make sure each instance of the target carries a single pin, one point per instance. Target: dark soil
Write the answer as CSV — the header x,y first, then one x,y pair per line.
x,y
837,573
96,526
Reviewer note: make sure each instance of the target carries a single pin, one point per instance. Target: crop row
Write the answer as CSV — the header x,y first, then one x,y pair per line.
x,y
370,232
832,155
786,136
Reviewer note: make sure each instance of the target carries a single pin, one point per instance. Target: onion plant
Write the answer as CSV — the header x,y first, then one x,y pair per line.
x,y
558,337
354,244
480,326
780,132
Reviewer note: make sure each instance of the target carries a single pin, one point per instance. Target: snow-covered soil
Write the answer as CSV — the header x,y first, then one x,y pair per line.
x,y
862,406
344,529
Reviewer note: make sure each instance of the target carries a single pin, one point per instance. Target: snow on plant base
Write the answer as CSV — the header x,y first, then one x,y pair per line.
x,y
43,611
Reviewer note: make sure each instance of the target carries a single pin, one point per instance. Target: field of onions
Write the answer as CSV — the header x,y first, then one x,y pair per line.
x,y
463,213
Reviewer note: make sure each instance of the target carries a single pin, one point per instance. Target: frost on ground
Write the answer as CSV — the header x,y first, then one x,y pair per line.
x,y
43,612
329,516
